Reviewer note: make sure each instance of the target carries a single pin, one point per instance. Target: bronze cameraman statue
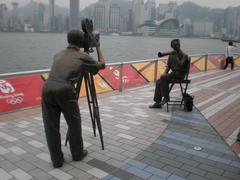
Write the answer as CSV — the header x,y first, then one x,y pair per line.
x,y
59,94
176,69
91,40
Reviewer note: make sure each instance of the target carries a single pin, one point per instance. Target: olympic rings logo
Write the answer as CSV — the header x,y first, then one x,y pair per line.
x,y
14,101
6,87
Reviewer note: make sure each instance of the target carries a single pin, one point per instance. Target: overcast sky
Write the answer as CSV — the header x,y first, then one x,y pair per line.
x,y
84,3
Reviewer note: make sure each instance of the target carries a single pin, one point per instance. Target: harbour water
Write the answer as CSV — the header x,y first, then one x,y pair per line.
x,y
34,51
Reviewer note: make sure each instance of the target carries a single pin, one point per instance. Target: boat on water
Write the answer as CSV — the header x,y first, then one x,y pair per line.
x,y
115,34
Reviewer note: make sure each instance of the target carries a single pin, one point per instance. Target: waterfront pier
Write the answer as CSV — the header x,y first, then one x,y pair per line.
x,y
140,143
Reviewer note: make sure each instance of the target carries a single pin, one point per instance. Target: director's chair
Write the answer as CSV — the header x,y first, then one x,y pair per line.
x,y
183,87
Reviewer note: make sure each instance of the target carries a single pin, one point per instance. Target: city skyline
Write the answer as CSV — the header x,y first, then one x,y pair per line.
x,y
125,17
83,3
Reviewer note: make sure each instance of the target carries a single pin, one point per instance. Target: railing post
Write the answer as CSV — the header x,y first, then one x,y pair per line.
x,y
121,78
205,64
155,70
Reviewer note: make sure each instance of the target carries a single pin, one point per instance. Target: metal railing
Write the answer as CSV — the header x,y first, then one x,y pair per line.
x,y
120,66
116,76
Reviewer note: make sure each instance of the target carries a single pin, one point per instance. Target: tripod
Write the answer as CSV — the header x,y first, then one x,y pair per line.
x,y
92,104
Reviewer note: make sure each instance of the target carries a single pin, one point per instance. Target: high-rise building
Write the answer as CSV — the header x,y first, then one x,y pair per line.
x,y
15,24
3,20
167,10
74,14
124,23
99,17
236,24
202,28
187,29
106,4
231,22
114,19
110,15
151,9
40,16
161,11
139,14
172,8
52,15
102,15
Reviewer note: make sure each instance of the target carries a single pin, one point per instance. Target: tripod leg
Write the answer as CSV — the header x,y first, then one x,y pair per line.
x,y
99,127
96,110
88,86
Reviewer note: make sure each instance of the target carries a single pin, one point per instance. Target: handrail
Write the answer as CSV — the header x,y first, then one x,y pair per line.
x,y
24,73
108,64
117,76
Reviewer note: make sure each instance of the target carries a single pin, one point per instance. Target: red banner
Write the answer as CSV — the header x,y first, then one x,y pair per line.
x,y
111,74
193,69
20,92
130,76
216,59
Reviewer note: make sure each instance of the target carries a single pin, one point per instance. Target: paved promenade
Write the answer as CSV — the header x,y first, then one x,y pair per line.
x,y
140,143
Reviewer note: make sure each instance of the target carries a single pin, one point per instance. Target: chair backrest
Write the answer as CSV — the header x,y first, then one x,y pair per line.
x,y
188,68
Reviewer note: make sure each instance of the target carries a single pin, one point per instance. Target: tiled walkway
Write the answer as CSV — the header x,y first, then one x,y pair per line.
x,y
140,143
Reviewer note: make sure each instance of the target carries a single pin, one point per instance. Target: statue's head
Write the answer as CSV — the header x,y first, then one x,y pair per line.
x,y
175,44
75,37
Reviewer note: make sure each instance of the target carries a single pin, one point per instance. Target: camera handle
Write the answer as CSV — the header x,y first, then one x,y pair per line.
x,y
92,104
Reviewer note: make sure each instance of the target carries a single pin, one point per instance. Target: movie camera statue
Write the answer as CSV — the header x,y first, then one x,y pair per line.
x,y
90,41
